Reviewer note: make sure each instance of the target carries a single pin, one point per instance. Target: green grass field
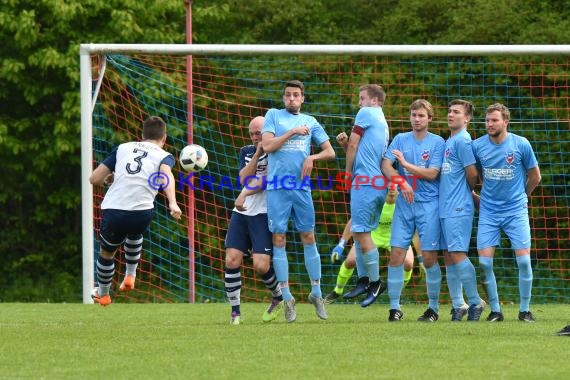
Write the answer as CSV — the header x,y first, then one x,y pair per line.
x,y
169,341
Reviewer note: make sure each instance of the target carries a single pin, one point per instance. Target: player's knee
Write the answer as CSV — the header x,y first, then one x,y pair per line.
x,y
233,258
261,263
279,240
307,238
107,254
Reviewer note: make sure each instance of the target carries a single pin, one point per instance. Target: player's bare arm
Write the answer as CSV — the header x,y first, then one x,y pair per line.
x,y
100,175
327,153
389,171
472,176
255,185
429,174
271,143
533,178
170,191
251,167
351,147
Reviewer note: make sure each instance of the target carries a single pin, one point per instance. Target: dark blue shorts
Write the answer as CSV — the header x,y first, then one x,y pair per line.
x,y
117,225
247,232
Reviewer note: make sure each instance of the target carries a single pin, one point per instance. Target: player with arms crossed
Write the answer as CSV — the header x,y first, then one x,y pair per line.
x,y
248,228
456,210
128,204
419,155
510,173
287,136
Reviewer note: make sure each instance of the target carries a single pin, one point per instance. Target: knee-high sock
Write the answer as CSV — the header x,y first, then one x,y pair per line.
x,y
433,284
360,265
490,282
468,277
371,262
342,278
525,281
270,281
105,273
133,249
454,286
281,266
232,282
313,265
395,285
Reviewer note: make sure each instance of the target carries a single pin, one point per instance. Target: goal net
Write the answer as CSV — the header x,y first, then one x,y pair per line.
x,y
210,97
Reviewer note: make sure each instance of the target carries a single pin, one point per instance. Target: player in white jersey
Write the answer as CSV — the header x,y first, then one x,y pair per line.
x,y
457,180
248,228
419,155
135,172
510,173
366,146
287,136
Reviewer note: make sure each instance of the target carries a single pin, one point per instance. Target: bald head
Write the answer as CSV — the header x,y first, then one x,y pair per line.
x,y
255,127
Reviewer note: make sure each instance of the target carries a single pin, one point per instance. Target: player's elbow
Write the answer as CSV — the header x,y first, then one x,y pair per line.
x,y
331,154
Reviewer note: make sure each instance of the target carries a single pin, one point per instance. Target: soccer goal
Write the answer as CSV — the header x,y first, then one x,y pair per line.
x,y
207,94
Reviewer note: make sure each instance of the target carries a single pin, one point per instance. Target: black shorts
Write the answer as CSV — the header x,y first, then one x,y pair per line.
x,y
247,232
117,225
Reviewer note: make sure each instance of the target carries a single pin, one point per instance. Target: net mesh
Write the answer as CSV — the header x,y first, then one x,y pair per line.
x,y
229,91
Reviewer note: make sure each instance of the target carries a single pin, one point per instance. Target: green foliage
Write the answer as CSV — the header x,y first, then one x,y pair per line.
x,y
39,126
39,87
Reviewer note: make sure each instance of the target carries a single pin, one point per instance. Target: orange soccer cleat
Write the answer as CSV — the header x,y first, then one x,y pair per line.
x,y
128,283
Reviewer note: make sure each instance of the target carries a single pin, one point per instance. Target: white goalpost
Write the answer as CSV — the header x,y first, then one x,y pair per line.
x,y
90,90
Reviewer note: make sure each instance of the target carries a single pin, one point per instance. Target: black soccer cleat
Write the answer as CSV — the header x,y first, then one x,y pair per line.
x,y
428,316
395,315
526,316
565,331
361,287
495,316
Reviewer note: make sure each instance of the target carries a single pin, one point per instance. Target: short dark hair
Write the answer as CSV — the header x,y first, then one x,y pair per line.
x,y
154,128
468,107
295,83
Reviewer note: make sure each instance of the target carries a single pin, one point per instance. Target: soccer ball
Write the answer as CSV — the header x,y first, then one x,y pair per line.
x,y
193,158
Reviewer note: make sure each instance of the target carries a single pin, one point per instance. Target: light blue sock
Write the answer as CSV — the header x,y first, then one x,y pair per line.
x,y
525,281
313,265
490,282
360,265
371,261
395,285
281,266
433,284
468,277
454,286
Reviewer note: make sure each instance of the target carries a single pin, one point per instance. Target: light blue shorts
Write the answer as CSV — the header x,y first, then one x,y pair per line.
x,y
283,204
422,216
365,207
456,233
516,227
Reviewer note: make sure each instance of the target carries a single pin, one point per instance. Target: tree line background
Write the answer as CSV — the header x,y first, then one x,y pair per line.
x,y
40,196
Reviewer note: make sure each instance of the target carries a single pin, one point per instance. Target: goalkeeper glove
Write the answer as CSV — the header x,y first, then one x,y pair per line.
x,y
336,254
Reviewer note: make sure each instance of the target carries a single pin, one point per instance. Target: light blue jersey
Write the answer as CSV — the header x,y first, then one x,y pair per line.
x,y
504,169
286,163
426,153
455,198
373,142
